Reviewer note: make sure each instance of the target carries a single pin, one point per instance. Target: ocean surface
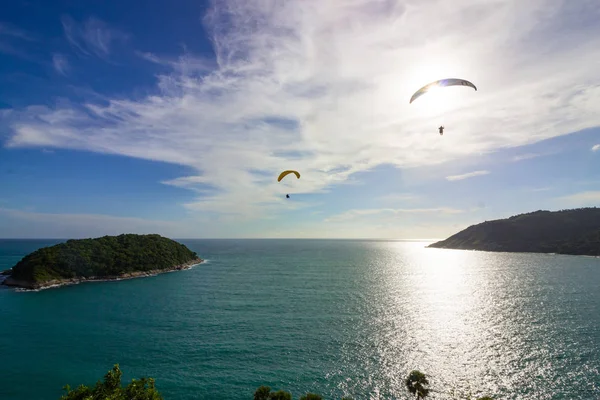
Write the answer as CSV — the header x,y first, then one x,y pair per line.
x,y
336,317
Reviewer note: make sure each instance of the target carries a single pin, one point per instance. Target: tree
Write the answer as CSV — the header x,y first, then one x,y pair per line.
x,y
262,393
141,389
280,395
108,256
416,383
311,396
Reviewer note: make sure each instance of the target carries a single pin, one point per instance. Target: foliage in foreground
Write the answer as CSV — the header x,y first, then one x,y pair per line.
x,y
416,383
265,393
110,389
143,389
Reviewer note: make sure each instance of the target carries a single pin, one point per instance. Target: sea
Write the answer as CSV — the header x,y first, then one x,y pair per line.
x,y
334,317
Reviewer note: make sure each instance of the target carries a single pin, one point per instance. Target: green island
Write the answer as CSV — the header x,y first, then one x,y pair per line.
x,y
105,258
416,384
573,232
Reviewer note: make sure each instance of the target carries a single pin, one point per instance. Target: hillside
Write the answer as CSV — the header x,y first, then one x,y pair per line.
x,y
574,232
107,257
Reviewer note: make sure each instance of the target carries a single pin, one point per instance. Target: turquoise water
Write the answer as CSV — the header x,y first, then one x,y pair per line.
x,y
334,317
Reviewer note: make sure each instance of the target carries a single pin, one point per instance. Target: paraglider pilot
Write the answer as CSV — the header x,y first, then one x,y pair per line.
x,y
286,172
441,128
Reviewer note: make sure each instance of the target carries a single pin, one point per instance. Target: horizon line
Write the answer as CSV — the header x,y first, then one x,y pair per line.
x,y
238,238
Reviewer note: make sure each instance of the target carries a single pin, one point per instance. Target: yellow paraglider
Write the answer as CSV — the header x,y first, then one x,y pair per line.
x,y
284,174
287,172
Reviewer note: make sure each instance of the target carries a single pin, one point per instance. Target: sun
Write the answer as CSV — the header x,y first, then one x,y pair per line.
x,y
437,102
433,103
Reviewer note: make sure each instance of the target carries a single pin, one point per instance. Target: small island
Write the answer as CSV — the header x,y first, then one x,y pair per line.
x,y
105,258
574,232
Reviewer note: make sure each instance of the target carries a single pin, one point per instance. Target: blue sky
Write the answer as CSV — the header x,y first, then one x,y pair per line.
x,y
177,117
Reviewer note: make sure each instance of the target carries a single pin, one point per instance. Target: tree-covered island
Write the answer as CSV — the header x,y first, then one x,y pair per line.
x,y
104,258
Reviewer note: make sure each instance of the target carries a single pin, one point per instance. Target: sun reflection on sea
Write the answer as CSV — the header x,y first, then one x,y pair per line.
x,y
436,303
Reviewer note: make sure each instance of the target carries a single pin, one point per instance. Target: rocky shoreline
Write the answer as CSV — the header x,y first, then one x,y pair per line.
x,y
9,281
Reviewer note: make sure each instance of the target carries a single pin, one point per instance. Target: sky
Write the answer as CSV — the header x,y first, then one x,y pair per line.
x,y
177,117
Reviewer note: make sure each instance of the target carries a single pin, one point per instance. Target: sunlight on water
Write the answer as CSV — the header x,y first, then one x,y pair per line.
x,y
333,317
434,295
464,319
452,295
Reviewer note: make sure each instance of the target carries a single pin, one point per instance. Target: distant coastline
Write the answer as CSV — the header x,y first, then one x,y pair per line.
x,y
566,232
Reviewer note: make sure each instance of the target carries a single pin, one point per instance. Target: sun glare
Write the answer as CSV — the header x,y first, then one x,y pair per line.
x,y
431,103
438,102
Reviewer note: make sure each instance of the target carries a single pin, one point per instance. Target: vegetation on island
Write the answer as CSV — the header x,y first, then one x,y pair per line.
x,y
416,384
575,232
107,256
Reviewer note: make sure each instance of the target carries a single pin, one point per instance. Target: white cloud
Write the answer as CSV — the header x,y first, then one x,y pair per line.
x,y
596,147
323,87
92,37
357,213
61,63
467,175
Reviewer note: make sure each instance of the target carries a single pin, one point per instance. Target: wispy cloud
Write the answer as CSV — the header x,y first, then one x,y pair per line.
x,y
526,156
323,87
92,37
188,62
10,30
25,223
61,63
581,199
357,213
467,175
596,147
398,197
11,40
539,189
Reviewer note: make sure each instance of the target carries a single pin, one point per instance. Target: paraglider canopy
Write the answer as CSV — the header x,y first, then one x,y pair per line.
x,y
441,83
287,172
